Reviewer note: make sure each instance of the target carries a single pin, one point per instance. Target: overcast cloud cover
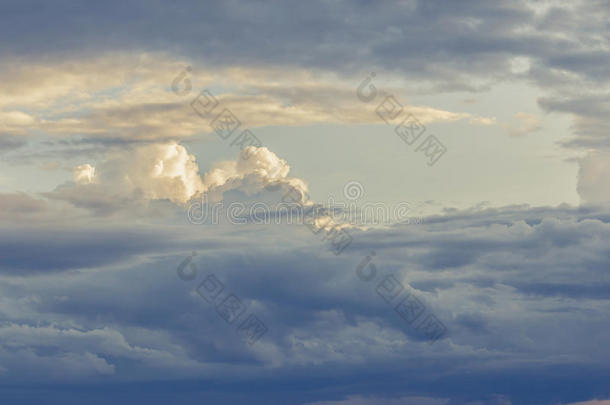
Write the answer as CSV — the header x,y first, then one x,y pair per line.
x,y
106,169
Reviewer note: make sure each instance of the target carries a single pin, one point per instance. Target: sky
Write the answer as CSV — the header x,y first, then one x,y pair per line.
x,y
311,203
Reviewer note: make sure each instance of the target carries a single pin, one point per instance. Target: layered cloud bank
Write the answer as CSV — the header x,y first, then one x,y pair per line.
x,y
523,293
153,100
103,157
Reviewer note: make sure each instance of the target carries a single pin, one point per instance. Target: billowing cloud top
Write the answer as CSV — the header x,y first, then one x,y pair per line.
x,y
112,292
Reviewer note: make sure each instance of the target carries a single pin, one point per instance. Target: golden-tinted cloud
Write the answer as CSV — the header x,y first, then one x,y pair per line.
x,y
130,97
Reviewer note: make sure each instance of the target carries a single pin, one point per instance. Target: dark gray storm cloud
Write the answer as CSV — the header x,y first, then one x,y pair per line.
x,y
24,251
523,294
434,39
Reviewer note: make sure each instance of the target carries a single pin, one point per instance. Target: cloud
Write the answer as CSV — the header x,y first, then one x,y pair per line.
x,y
165,171
132,176
20,203
260,162
133,99
523,124
523,291
48,248
514,310
594,177
84,174
479,41
358,400
89,352
9,142
324,321
589,111
592,134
